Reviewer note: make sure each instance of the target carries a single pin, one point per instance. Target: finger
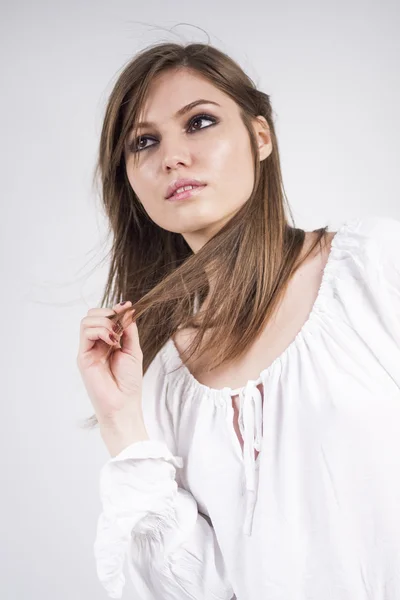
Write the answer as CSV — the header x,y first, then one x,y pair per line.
x,y
130,343
105,312
100,312
114,314
122,306
90,335
113,327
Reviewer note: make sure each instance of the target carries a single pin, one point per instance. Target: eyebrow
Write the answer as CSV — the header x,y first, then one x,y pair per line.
x,y
181,111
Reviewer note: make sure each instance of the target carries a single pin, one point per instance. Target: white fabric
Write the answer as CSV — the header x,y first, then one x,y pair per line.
x,y
317,515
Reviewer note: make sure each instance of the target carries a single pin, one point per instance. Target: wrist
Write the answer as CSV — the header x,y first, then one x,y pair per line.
x,y
118,433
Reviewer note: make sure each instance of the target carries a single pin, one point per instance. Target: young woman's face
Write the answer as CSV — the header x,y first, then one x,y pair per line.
x,y
213,148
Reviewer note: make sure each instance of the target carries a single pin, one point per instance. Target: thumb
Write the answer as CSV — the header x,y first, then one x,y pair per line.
x,y
130,343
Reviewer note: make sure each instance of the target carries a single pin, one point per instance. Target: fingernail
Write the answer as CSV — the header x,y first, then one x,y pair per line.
x,y
124,302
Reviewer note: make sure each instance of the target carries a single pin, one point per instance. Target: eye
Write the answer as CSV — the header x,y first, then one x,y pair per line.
x,y
202,118
134,146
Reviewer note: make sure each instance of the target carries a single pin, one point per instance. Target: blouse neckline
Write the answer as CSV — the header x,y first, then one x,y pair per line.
x,y
318,304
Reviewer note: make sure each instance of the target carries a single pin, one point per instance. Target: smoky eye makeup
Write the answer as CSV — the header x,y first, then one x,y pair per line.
x,y
134,144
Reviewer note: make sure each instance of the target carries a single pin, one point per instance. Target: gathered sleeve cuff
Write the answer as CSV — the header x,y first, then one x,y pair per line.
x,y
171,549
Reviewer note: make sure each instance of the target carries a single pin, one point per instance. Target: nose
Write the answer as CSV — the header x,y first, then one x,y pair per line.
x,y
175,152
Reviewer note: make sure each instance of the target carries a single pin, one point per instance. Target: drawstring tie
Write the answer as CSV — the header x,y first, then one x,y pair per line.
x,y
250,425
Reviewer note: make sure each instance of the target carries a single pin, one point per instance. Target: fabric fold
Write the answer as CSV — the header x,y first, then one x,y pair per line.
x,y
137,492
250,425
148,519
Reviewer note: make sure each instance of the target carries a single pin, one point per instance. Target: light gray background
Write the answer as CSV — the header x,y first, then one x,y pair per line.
x,y
332,71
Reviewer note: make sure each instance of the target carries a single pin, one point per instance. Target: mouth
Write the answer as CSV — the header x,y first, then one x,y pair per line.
x,y
186,193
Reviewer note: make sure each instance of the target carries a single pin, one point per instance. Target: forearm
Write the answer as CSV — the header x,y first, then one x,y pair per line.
x,y
119,433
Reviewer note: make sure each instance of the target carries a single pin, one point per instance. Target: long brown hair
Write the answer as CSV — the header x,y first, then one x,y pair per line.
x,y
252,257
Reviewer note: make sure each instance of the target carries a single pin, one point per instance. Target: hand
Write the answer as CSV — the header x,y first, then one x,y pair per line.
x,y
111,370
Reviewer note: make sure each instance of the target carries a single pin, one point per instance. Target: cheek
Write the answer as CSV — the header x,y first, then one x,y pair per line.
x,y
221,155
142,182
232,166
229,152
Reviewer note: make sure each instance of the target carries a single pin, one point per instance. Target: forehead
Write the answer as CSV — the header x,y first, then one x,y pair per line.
x,y
171,92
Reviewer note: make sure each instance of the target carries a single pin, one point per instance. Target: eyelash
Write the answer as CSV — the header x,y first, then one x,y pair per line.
x,y
192,120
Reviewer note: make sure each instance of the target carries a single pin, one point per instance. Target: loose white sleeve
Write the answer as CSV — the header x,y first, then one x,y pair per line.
x,y
171,549
387,239
384,232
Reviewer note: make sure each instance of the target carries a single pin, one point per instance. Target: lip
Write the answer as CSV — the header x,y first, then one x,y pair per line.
x,y
186,194
181,183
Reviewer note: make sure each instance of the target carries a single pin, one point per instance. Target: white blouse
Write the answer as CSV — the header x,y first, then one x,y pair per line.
x,y
317,515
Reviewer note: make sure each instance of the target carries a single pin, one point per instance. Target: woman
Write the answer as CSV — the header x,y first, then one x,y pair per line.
x,y
254,428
